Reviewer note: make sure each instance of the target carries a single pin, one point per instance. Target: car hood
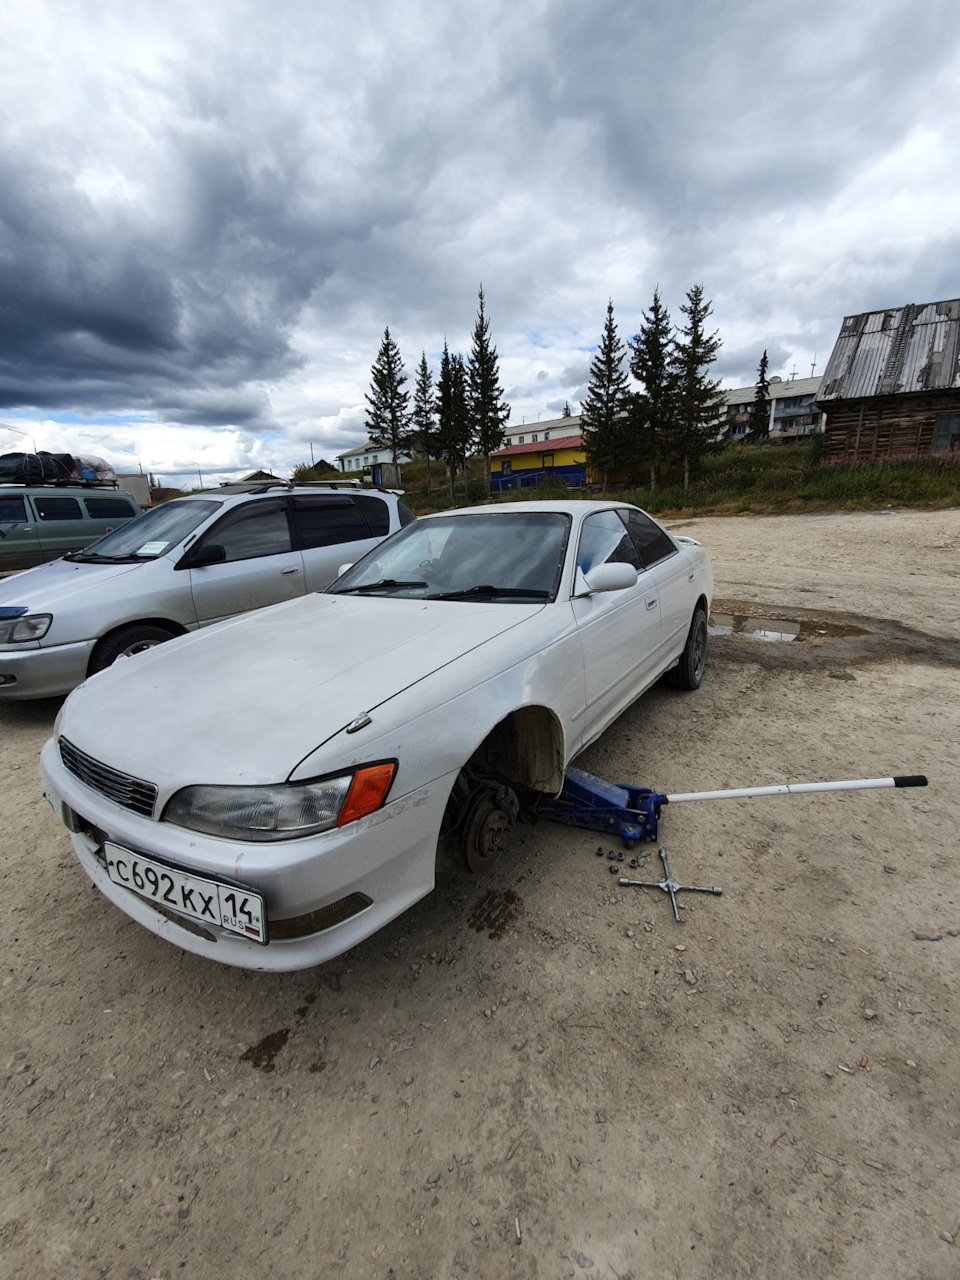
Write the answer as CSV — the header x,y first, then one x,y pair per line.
x,y
247,700
49,585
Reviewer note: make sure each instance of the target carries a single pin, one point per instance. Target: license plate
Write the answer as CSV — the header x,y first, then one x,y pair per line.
x,y
231,906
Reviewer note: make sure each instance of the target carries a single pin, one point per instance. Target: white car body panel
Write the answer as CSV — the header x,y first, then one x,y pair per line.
x,y
268,698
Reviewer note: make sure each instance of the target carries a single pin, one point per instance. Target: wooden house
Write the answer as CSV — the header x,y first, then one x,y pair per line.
x,y
891,387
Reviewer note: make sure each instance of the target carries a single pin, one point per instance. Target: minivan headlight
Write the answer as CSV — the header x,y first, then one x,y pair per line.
x,y
32,626
286,812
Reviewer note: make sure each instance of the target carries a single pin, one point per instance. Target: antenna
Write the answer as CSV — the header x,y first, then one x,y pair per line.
x,y
793,373
814,365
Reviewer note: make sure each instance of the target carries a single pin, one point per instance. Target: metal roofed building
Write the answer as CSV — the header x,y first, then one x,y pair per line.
x,y
892,383
793,412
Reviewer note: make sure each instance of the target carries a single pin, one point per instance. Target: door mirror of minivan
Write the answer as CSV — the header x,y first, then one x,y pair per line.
x,y
209,553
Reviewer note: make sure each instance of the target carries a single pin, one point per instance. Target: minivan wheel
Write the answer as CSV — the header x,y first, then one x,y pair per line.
x,y
125,642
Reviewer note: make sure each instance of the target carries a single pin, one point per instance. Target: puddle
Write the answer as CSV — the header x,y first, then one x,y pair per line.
x,y
781,629
495,910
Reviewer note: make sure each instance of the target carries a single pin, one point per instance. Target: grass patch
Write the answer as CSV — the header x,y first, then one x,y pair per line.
x,y
738,479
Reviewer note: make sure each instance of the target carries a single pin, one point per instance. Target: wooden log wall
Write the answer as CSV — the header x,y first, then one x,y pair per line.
x,y
886,426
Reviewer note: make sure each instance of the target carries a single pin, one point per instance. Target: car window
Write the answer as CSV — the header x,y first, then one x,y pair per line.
x,y
14,509
109,508
653,543
153,533
54,506
376,513
503,557
604,540
326,522
259,529
405,514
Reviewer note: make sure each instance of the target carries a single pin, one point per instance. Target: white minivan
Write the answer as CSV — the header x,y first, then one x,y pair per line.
x,y
186,564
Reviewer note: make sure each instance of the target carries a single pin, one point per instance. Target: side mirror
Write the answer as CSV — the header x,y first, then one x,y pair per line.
x,y
610,577
209,553
343,568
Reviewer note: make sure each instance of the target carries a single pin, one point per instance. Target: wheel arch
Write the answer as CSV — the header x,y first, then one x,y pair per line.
x,y
165,624
527,747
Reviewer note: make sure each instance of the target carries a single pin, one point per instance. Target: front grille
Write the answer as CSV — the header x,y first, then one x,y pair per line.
x,y
121,788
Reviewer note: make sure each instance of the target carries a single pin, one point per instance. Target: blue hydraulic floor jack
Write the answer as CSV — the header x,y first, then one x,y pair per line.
x,y
634,813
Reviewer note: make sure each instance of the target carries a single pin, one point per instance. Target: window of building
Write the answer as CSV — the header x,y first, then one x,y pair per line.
x,y
533,438
546,435
519,439
947,439
506,466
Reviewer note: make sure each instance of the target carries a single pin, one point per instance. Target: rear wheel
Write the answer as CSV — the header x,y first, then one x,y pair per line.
x,y
125,642
688,672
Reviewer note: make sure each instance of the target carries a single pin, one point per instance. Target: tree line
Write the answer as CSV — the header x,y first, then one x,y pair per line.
x,y
462,414
672,414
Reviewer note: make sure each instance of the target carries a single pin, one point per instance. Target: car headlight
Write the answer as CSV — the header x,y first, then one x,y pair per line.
x,y
32,626
284,812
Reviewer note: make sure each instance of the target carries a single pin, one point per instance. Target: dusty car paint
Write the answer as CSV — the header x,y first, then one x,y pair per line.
x,y
314,687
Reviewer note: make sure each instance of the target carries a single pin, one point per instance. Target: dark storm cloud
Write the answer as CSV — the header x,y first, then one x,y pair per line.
x,y
213,220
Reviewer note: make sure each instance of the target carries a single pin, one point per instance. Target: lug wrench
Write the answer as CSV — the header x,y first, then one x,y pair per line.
x,y
669,885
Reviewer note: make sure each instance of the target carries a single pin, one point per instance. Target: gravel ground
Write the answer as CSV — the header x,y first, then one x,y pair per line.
x,y
540,1074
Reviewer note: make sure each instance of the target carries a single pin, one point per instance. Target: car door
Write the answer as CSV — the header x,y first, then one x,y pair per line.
x,y
61,523
19,540
331,530
619,630
258,567
670,569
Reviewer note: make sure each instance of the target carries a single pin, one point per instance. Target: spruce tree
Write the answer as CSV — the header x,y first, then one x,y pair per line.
x,y
487,408
698,399
604,410
388,418
654,406
423,419
760,409
453,436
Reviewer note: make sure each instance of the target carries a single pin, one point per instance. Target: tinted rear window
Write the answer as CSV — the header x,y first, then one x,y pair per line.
x,y
51,506
376,513
110,508
405,514
652,543
325,522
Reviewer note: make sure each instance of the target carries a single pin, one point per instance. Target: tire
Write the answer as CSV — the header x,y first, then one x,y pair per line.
x,y
688,673
124,642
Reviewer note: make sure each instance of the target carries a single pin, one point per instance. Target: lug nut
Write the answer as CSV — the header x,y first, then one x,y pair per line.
x,y
599,850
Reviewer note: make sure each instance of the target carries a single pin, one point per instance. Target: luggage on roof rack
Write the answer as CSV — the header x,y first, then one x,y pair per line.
x,y
55,469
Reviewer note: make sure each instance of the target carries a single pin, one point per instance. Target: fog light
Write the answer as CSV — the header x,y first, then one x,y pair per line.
x,y
8,679
323,918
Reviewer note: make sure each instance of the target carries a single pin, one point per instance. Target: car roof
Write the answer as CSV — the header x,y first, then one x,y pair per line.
x,y
570,506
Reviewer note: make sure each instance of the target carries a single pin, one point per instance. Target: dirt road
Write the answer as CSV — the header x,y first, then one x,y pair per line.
x,y
541,1074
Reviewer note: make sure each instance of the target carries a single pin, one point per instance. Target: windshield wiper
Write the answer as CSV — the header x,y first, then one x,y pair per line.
x,y
91,557
485,590
384,582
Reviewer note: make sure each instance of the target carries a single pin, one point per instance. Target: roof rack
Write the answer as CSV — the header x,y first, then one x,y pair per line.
x,y
263,486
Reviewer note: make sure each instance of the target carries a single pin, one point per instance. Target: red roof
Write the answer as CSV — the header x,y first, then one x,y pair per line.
x,y
541,446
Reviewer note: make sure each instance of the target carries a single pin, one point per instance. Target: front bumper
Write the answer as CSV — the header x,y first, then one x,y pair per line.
x,y
43,672
389,856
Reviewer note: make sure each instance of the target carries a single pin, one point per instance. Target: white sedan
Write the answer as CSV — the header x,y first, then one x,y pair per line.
x,y
272,791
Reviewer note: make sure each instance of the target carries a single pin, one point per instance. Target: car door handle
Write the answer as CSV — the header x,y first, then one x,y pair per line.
x,y
292,569
691,576
651,602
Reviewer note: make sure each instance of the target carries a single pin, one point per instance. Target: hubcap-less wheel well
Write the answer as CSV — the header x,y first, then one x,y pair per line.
x,y
524,752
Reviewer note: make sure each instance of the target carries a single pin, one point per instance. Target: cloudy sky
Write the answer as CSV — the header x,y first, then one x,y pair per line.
x,y
209,212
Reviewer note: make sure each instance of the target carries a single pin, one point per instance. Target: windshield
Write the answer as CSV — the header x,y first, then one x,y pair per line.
x,y
503,556
151,534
